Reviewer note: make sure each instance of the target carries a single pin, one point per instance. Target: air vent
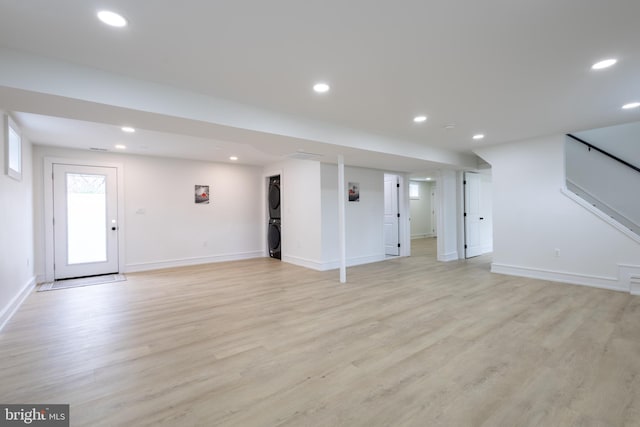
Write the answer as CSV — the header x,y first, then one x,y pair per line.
x,y
97,149
302,155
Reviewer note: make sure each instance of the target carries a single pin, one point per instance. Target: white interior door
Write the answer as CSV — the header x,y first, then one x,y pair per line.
x,y
85,219
472,215
433,211
391,213
478,220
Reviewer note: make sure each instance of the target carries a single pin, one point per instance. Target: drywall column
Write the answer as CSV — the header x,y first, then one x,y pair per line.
x,y
447,216
342,236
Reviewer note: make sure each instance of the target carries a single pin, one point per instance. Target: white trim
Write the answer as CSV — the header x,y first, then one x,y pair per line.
x,y
404,205
48,209
597,212
342,214
630,277
303,262
332,265
184,262
451,256
422,236
10,309
611,283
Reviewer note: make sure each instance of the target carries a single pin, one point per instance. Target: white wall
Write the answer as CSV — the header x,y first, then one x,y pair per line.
x,y
163,227
486,209
364,219
16,231
301,239
421,211
604,179
534,220
619,140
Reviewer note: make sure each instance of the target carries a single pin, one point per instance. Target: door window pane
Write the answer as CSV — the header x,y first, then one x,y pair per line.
x,y
86,218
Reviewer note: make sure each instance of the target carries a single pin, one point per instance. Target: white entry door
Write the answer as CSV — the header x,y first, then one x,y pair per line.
x,y
391,213
85,207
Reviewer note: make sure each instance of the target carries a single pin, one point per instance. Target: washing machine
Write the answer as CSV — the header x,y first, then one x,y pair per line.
x,y
274,238
274,197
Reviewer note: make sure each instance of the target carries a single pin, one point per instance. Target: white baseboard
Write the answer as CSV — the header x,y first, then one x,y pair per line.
x,y
10,309
451,256
422,236
610,283
630,277
184,262
331,265
597,212
303,262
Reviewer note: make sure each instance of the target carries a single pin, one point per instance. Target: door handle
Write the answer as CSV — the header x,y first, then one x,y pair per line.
x,y
481,218
113,228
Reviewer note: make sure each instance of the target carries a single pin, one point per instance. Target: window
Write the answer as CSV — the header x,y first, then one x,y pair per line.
x,y
414,190
14,150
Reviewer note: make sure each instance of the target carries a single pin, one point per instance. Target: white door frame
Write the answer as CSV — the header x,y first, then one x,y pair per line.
x,y
49,250
404,206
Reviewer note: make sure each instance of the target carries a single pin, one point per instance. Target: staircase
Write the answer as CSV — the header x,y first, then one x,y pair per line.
x,y
606,182
610,187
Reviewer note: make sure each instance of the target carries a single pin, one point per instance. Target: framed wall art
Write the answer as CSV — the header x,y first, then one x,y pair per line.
x,y
354,192
202,194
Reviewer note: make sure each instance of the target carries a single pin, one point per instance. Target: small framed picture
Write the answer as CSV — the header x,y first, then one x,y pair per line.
x,y
354,192
202,194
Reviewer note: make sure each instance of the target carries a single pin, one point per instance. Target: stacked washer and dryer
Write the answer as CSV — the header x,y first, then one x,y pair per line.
x,y
273,233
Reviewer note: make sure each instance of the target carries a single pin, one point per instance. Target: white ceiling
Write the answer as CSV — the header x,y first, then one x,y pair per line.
x,y
509,69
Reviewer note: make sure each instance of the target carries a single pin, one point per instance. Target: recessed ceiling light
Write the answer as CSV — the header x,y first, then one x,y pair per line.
x,y
631,105
420,119
478,136
121,146
111,18
604,64
128,129
234,158
321,87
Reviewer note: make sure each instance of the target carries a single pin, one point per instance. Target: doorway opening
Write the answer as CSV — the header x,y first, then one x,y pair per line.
x,y
422,208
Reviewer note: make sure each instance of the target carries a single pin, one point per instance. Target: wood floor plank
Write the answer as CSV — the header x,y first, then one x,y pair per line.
x,y
406,342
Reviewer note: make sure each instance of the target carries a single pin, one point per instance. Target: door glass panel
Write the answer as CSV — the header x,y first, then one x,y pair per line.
x,y
86,218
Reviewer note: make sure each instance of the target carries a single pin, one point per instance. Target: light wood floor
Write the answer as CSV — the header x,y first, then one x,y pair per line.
x,y
408,341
